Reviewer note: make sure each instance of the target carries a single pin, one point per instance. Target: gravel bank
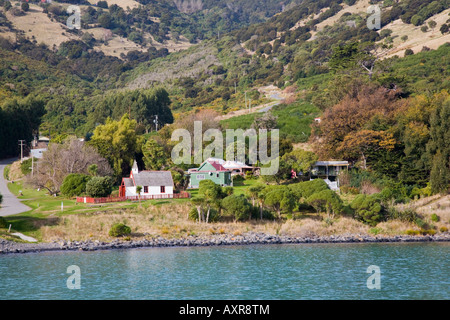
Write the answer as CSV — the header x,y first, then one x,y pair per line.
x,y
212,240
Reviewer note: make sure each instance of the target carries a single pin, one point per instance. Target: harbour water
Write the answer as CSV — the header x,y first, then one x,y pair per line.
x,y
250,272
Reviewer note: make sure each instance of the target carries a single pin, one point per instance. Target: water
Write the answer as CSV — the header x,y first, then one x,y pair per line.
x,y
268,272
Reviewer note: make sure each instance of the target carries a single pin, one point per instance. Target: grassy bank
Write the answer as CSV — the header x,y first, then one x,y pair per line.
x,y
169,219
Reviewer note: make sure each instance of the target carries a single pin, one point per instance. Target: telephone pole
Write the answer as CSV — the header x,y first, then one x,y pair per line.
x,y
21,143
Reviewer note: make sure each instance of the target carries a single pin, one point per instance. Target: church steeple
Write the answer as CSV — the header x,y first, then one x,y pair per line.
x,y
135,169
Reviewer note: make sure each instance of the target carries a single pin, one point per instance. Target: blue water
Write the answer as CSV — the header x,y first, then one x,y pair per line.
x,y
280,272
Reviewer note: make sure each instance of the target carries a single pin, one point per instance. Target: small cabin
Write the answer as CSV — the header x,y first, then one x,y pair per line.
x,y
210,170
153,183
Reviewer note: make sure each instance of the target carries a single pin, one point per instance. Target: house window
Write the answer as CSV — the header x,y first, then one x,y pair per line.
x,y
217,175
200,177
145,189
163,189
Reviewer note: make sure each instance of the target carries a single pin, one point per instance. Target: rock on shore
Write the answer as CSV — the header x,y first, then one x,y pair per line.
x,y
212,240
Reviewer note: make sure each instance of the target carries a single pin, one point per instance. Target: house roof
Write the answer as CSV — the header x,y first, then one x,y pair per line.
x,y
230,165
153,178
128,182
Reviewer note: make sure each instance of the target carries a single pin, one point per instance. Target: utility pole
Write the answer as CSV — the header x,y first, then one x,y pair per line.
x,y
21,143
235,90
250,106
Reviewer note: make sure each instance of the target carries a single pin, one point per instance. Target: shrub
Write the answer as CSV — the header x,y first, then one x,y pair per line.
x,y
237,206
74,184
407,215
368,209
2,222
430,232
350,190
409,52
421,224
25,6
98,187
412,232
119,230
435,217
443,229
375,231
6,172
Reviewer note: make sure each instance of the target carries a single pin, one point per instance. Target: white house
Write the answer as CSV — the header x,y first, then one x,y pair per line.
x,y
153,183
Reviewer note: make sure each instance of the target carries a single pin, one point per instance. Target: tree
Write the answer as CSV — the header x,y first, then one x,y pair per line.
x,y
300,160
198,203
254,193
365,141
25,6
368,209
444,29
138,191
305,189
117,142
432,24
99,187
155,157
212,194
326,200
279,198
60,160
74,184
439,147
237,206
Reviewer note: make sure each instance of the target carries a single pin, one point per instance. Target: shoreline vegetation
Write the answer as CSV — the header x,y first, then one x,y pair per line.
x,y
79,226
251,238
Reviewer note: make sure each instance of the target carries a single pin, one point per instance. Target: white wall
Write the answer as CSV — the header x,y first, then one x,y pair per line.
x,y
131,191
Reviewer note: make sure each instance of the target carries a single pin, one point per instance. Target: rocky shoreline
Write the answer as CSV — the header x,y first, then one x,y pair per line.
x,y
8,247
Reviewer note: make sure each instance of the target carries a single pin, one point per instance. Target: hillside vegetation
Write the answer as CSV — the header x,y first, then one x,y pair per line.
x,y
382,98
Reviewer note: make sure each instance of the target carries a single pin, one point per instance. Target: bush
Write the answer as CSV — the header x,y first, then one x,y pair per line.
x,y
349,190
407,215
409,52
6,172
2,222
74,184
25,166
237,206
435,217
443,229
368,209
430,232
119,230
412,232
25,6
99,187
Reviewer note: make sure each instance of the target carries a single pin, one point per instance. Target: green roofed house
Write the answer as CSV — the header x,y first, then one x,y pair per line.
x,y
210,170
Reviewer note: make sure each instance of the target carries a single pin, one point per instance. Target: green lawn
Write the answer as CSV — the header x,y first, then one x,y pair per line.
x,y
46,209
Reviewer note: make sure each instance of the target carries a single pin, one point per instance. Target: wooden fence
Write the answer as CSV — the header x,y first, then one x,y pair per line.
x,y
182,195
